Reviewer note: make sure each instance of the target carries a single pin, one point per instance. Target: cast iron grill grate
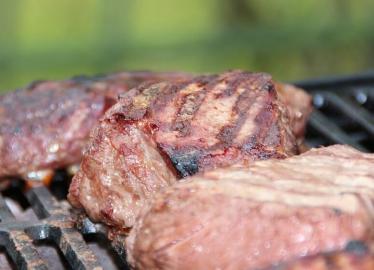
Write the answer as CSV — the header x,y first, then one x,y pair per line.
x,y
48,237
54,222
344,112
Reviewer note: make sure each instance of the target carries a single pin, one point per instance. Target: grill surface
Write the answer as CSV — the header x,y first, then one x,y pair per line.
x,y
47,238
344,112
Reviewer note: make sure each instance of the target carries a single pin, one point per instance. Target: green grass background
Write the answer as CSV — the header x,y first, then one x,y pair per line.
x,y
291,39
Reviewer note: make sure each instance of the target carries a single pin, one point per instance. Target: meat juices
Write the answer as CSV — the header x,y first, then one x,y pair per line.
x,y
45,125
250,218
158,133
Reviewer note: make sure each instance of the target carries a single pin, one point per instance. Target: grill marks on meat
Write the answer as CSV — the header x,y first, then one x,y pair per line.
x,y
123,167
46,125
251,218
183,128
231,116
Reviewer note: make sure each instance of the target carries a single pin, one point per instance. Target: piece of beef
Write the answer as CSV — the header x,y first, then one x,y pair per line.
x,y
250,218
161,132
45,125
299,105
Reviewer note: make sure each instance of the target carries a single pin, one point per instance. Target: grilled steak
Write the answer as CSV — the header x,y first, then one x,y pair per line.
x,y
45,125
251,218
158,133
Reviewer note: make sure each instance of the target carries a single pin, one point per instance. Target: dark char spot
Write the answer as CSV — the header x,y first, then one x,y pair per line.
x,y
33,84
186,164
269,87
337,211
357,247
80,78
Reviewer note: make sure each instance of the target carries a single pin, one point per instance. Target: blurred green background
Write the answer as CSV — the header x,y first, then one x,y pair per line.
x,y
291,39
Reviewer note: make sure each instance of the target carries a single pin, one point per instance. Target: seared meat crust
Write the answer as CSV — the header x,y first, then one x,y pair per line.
x,y
158,133
250,218
45,125
299,105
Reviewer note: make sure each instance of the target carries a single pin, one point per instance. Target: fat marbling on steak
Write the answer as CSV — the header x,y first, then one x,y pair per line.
x,y
45,125
158,133
250,218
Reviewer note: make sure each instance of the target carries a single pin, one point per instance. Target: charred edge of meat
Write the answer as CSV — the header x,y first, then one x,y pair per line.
x,y
75,79
186,164
270,87
32,85
87,78
357,247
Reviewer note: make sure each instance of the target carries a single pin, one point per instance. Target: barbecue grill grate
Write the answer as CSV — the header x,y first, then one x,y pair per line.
x,y
344,114
56,223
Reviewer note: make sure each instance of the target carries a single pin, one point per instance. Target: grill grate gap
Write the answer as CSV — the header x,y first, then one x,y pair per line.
x,y
314,138
60,184
356,116
368,143
101,247
52,255
15,192
343,114
5,260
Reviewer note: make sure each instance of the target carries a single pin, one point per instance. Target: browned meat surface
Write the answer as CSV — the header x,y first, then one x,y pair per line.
x,y
158,133
45,125
342,260
299,104
251,218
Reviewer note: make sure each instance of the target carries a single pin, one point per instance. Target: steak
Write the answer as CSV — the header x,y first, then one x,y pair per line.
x,y
45,125
158,133
251,218
299,105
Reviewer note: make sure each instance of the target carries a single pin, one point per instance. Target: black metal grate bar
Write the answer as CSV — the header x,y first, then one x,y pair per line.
x,y
5,213
43,203
331,131
75,250
344,111
22,251
337,81
56,223
352,110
